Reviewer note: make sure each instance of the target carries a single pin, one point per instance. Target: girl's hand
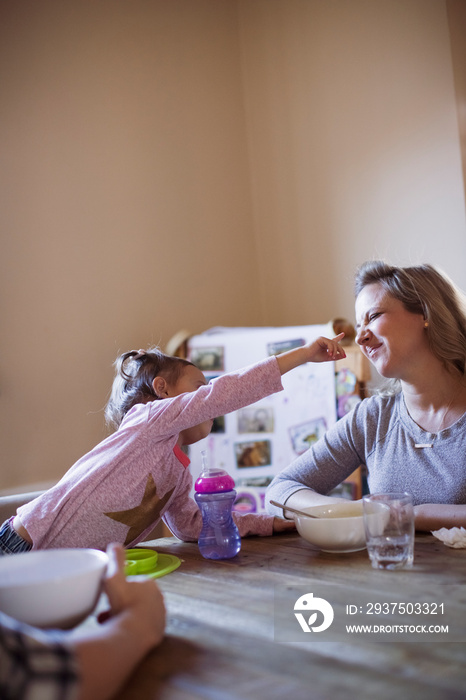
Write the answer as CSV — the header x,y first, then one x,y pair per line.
x,y
320,350
323,350
281,525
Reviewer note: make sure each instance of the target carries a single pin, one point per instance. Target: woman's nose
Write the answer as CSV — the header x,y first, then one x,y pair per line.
x,y
361,335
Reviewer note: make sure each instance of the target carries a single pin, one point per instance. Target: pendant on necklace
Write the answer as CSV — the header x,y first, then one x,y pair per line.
x,y
423,445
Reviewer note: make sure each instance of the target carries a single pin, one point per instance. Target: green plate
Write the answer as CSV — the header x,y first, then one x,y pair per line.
x,y
166,563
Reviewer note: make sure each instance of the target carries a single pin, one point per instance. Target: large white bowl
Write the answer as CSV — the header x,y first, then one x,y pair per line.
x,y
51,587
339,527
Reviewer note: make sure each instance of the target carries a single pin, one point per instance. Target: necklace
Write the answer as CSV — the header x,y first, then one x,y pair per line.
x,y
421,445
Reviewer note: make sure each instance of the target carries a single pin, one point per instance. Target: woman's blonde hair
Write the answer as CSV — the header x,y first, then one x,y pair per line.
x,y
423,289
135,372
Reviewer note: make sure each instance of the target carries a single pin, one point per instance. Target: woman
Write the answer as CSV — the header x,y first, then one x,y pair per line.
x,y
411,325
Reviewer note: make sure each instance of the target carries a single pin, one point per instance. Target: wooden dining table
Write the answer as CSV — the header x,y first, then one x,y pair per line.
x,y
233,631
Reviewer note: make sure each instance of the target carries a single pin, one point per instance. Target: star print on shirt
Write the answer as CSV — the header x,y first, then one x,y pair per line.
x,y
145,514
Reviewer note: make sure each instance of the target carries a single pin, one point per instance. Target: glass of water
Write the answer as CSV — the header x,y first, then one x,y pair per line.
x,y
389,527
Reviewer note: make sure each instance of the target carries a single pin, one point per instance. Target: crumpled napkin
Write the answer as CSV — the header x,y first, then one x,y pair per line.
x,y
452,537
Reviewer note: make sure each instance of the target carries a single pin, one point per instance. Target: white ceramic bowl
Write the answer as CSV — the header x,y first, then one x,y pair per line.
x,y
338,528
51,587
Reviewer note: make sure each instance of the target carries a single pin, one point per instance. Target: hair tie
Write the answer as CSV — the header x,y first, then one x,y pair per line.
x,y
140,354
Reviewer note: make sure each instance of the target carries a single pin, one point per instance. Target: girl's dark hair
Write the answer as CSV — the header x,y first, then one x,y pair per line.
x,y
423,289
135,372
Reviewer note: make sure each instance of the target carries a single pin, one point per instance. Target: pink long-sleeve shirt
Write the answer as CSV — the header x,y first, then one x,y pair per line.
x,y
121,489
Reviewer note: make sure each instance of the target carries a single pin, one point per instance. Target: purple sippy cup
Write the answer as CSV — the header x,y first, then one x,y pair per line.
x,y
215,495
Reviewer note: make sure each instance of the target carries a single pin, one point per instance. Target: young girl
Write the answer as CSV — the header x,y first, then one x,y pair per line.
x,y
120,490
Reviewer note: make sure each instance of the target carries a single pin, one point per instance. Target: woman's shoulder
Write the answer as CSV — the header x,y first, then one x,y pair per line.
x,y
371,419
378,407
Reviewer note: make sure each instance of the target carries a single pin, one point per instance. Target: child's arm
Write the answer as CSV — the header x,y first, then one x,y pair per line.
x,y
234,390
184,518
282,525
320,350
135,623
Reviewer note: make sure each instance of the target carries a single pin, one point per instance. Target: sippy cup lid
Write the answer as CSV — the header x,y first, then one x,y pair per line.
x,y
213,480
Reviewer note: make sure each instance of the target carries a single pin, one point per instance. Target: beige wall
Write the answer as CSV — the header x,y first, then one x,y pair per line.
x,y
354,145
126,210
456,11
176,164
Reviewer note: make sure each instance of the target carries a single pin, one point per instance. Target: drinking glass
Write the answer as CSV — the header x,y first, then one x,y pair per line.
x,y
389,528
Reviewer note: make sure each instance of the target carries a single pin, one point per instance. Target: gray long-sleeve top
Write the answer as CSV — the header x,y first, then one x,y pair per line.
x,y
380,433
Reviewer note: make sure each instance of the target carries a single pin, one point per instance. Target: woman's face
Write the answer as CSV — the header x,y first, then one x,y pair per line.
x,y
391,337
